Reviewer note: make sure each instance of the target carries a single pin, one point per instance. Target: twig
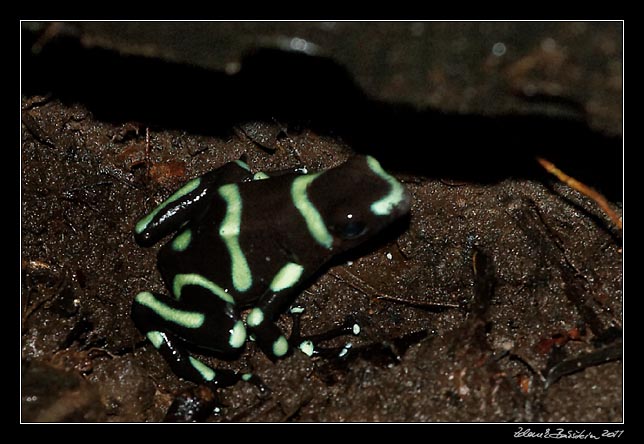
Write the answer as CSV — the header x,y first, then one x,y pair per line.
x,y
420,304
597,357
583,189
366,289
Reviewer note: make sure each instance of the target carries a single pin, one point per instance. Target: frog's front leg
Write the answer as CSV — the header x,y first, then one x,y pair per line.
x,y
170,324
261,319
261,324
187,203
273,343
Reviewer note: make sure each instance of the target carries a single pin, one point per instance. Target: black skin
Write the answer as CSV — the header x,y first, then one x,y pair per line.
x,y
272,234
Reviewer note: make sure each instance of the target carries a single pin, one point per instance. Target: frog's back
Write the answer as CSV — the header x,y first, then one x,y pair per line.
x,y
255,232
249,233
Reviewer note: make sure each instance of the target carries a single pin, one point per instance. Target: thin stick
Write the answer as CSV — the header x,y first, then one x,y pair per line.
x,y
368,290
583,189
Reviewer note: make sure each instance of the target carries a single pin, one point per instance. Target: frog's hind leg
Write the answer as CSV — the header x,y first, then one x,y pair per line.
x,y
168,326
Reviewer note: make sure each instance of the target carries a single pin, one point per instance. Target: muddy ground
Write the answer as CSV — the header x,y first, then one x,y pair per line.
x,y
499,299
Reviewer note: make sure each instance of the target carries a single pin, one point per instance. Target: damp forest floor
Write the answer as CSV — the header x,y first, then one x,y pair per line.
x,y
499,299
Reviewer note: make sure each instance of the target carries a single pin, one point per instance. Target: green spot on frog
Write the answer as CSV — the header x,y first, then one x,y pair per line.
x,y
182,241
189,319
156,338
187,188
181,280
242,164
311,215
255,317
237,335
280,346
396,195
229,231
307,347
260,175
288,276
207,373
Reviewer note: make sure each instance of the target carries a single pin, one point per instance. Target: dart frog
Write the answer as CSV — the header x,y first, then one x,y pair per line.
x,y
246,244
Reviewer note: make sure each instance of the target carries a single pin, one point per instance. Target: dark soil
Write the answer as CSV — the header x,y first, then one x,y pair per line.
x,y
498,300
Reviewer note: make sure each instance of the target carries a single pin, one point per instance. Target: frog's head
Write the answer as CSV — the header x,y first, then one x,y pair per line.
x,y
357,200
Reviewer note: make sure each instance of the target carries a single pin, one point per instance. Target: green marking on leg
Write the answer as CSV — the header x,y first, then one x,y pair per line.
x,y
255,317
247,377
188,319
206,372
229,232
242,164
187,188
311,215
237,335
280,346
182,241
307,348
386,205
260,175
181,280
288,276
156,338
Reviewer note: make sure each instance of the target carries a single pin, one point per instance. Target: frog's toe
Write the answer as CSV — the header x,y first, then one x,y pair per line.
x,y
264,390
194,404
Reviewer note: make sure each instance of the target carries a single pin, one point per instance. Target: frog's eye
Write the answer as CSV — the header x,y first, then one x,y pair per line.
x,y
353,229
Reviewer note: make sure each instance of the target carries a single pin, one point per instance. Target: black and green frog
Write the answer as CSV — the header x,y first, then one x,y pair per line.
x,y
246,244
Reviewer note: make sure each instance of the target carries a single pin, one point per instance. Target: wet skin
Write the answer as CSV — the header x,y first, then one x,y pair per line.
x,y
247,241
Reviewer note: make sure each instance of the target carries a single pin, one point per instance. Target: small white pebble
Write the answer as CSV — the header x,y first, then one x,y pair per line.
x,y
389,256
